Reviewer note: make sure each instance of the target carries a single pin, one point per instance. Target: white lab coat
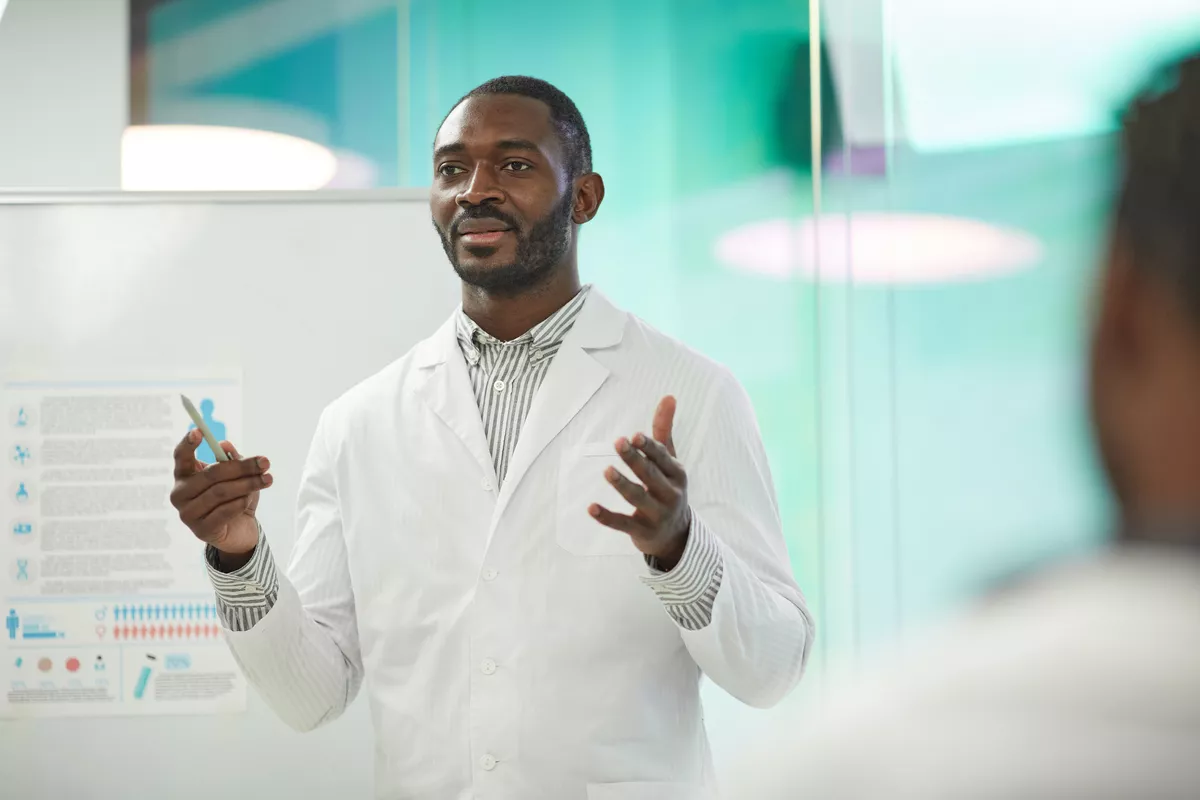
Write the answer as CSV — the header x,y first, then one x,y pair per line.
x,y
509,648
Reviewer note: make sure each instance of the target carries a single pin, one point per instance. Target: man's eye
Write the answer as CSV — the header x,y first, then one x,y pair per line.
x,y
517,166
450,170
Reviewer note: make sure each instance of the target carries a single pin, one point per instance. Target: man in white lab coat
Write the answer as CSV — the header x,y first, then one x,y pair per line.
x,y
530,582
1081,682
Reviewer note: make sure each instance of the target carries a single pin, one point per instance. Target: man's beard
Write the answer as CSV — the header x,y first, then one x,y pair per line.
x,y
538,252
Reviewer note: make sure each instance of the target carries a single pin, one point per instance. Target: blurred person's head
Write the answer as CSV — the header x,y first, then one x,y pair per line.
x,y
512,182
1145,357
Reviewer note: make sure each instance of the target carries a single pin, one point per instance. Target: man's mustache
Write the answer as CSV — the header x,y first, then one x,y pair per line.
x,y
483,212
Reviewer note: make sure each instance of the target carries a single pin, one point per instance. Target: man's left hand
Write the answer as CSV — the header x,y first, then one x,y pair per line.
x,y
662,518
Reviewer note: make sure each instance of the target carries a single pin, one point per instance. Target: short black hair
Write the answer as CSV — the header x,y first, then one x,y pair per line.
x,y
577,144
1158,209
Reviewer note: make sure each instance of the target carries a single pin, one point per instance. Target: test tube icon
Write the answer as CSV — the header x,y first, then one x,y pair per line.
x,y
143,679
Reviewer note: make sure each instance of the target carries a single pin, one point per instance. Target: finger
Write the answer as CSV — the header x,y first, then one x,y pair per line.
x,y
664,422
230,450
657,453
225,512
636,494
185,455
618,522
656,483
202,505
216,474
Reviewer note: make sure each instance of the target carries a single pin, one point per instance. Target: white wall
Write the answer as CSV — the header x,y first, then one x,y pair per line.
x,y
64,88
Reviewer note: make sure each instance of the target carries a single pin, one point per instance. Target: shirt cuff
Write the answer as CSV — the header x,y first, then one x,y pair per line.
x,y
245,595
689,591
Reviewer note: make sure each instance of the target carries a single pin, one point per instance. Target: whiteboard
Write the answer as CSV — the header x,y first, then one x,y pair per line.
x,y
303,295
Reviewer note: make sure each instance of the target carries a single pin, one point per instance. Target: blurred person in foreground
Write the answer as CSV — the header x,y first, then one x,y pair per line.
x,y
1083,681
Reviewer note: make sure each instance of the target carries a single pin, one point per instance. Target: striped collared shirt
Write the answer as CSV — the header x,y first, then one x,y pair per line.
x,y
505,377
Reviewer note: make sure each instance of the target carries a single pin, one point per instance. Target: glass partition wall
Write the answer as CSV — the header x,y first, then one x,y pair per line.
x,y
884,216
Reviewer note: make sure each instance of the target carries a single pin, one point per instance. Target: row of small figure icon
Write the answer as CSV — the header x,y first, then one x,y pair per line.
x,y
176,631
163,612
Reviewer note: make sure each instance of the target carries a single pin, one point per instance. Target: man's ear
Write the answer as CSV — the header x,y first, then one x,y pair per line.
x,y
1127,304
589,194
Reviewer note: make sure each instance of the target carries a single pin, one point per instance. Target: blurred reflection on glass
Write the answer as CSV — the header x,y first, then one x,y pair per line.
x,y
960,224
1077,679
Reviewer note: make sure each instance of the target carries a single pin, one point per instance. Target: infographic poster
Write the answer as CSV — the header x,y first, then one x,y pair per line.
x,y
106,605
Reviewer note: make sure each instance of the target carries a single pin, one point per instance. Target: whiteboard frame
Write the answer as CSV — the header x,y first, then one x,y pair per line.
x,y
88,197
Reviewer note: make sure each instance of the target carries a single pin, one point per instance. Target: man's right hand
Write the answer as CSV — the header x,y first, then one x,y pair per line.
x,y
217,501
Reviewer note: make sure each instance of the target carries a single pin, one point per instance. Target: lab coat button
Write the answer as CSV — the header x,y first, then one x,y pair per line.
x,y
486,483
488,666
488,763
490,574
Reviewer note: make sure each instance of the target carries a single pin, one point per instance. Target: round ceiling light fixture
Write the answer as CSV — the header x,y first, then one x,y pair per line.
x,y
879,248
183,158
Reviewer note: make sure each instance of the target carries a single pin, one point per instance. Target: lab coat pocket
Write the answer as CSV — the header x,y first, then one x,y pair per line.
x,y
581,482
642,791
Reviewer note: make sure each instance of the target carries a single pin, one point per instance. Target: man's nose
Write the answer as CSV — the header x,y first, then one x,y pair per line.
x,y
481,189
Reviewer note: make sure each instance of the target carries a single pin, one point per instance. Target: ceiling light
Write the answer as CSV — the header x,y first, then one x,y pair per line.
x,y
174,158
878,248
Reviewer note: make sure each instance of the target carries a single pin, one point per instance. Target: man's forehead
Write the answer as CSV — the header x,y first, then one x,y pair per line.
x,y
488,119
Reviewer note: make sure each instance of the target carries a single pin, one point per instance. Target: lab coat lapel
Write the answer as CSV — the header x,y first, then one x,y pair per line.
x,y
573,377
447,390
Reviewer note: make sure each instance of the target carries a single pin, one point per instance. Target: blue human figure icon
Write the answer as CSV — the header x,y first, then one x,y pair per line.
x,y
204,452
12,622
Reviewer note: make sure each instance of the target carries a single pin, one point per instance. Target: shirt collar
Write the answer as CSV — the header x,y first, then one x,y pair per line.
x,y
548,333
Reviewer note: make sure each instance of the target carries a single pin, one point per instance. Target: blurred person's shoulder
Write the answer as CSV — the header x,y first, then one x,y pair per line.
x,y
1083,681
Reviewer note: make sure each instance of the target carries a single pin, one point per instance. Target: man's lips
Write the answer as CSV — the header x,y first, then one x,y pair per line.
x,y
483,237
482,231
481,225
